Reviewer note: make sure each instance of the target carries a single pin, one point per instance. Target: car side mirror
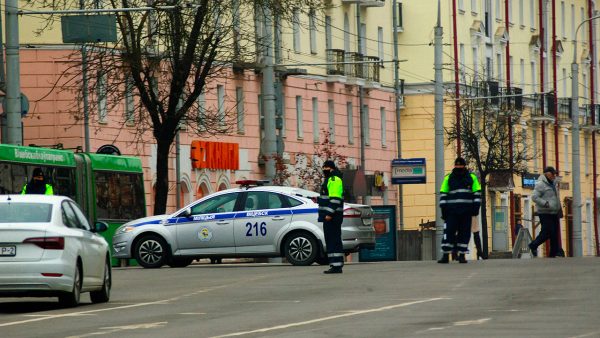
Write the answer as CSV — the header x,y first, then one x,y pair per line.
x,y
187,212
100,226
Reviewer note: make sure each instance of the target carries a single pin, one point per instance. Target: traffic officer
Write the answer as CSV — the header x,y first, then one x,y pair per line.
x,y
460,200
331,213
37,184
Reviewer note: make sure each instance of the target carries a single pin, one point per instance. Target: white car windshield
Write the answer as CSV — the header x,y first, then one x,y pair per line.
x,y
21,212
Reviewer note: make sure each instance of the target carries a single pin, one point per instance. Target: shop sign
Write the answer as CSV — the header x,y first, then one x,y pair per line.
x,y
409,171
528,180
215,155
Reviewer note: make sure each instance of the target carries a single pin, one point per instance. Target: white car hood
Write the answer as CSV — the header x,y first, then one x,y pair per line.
x,y
146,220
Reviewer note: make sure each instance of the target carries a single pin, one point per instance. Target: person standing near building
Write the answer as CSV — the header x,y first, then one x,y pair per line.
x,y
547,201
331,213
37,184
460,200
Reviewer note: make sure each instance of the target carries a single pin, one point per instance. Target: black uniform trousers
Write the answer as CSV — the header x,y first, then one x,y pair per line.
x,y
550,226
457,233
333,240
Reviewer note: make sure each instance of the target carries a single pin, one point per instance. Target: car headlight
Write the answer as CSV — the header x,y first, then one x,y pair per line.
x,y
125,229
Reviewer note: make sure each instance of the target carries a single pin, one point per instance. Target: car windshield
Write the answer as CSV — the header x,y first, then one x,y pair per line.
x,y
25,212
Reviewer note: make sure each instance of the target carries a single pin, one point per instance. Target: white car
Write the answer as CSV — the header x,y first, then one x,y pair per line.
x,y
250,221
49,249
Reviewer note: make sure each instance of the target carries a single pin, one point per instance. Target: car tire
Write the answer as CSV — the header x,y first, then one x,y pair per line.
x,y
300,248
103,295
72,298
180,262
151,252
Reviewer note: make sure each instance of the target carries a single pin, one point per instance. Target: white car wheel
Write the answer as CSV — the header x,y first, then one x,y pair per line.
x,y
151,251
301,248
103,295
72,298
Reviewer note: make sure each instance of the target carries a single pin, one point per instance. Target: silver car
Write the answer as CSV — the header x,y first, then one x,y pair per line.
x,y
250,221
48,249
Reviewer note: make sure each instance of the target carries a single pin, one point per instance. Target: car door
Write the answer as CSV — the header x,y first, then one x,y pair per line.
x,y
81,242
96,245
264,217
209,229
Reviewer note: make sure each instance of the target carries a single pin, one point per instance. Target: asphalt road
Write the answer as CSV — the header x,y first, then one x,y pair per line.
x,y
494,298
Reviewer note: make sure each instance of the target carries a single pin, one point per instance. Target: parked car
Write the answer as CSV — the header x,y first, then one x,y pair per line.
x,y
48,249
250,221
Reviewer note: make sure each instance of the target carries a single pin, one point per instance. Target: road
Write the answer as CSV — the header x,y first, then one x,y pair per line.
x,y
493,298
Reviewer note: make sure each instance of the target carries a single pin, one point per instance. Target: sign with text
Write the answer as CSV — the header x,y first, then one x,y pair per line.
x,y
384,222
529,180
215,155
409,171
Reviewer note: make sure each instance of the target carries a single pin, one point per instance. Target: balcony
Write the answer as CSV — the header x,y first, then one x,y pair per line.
x,y
564,111
510,100
543,109
355,71
590,118
336,70
372,72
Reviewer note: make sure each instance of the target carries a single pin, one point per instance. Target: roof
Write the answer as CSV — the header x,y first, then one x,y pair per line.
x,y
52,199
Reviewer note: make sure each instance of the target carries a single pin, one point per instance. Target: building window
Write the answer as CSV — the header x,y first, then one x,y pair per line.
x,y
239,99
522,70
475,62
221,104
562,19
532,14
521,19
572,22
346,33
533,77
315,111
583,30
566,150
328,32
296,29
462,62
474,6
129,101
363,39
331,114
312,26
400,23
102,99
564,82
380,43
511,68
365,125
585,87
383,126
586,154
500,69
461,6
498,11
349,113
299,118
524,137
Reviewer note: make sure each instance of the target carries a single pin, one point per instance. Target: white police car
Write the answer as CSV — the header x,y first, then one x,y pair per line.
x,y
250,221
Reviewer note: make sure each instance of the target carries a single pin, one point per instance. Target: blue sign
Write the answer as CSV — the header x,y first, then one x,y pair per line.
x,y
529,180
409,171
384,222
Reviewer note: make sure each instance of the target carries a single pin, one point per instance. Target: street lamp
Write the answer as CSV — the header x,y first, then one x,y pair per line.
x,y
576,206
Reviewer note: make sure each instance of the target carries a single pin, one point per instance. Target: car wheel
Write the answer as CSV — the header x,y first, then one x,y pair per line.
x,y
71,299
180,262
151,251
301,248
103,295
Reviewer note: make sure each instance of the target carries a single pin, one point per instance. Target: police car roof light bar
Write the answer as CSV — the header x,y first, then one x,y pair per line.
x,y
251,183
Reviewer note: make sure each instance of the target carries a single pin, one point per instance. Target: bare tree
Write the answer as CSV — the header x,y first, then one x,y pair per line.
x,y
308,167
488,137
167,59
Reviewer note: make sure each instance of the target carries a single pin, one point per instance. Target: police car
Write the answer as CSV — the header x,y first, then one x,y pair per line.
x,y
253,220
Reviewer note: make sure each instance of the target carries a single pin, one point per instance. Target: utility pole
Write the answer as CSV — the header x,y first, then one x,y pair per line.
x,y
13,82
397,97
269,142
84,92
439,131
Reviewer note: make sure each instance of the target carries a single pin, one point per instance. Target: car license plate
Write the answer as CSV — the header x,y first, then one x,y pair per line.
x,y
8,250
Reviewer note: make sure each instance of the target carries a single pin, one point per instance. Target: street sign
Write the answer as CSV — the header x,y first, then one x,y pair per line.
x,y
89,28
409,171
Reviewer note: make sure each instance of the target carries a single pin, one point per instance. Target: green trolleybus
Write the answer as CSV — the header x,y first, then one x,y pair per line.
x,y
109,188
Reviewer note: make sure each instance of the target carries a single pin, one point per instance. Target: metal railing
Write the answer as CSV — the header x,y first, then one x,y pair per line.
x,y
335,60
373,69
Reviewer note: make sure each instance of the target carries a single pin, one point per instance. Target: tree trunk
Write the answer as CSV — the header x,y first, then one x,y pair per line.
x,y
484,225
161,192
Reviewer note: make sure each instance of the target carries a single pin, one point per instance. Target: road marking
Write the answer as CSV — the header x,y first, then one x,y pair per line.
x,y
590,334
192,313
114,329
354,313
461,323
273,301
463,282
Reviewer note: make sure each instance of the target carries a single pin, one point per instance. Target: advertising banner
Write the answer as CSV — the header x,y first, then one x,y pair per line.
x,y
384,222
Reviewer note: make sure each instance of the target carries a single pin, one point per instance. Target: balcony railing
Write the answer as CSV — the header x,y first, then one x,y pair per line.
x,y
373,68
543,108
590,117
564,110
511,99
356,69
335,60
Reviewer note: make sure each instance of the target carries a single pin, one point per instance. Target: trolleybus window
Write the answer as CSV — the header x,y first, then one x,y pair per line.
x,y
13,178
119,196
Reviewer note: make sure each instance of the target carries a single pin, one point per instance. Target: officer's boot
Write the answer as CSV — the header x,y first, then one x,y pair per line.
x,y
445,259
477,240
461,258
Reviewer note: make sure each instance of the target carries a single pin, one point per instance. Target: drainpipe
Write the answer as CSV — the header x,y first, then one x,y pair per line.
x,y
366,199
593,102
554,85
510,126
456,83
541,7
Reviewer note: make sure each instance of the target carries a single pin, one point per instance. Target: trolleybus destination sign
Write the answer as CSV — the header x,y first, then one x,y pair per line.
x,y
409,171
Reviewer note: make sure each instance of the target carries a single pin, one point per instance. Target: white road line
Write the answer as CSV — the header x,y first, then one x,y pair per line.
x,y
192,313
273,301
285,326
114,329
461,323
590,334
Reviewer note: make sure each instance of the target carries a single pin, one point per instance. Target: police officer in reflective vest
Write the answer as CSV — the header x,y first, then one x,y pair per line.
x,y
331,213
460,200
37,184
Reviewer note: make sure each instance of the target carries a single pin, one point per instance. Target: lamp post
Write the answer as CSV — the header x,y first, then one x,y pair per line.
x,y
576,207
439,130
